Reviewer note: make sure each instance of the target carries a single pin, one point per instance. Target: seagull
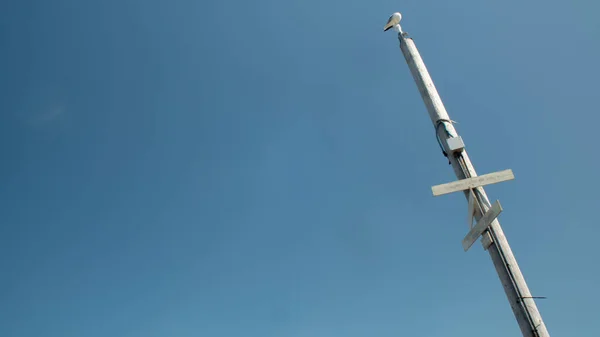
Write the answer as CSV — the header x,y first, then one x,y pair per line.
x,y
392,21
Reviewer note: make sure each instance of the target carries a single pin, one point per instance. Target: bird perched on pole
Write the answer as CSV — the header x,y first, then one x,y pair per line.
x,y
393,22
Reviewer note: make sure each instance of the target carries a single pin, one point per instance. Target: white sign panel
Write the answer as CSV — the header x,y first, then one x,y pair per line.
x,y
482,225
465,184
472,203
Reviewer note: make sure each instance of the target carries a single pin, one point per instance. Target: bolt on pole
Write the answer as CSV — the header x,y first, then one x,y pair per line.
x,y
488,227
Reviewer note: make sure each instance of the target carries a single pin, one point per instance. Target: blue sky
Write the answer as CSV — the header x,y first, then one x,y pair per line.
x,y
192,168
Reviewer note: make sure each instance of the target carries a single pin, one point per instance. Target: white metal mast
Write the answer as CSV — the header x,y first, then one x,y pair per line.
x,y
487,226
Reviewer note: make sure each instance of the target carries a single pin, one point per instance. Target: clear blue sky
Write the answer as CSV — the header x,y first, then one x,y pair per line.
x,y
263,168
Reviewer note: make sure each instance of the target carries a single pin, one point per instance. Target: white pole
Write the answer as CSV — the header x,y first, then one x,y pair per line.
x,y
520,299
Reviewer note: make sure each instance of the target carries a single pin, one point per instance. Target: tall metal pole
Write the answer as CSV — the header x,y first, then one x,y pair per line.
x,y
520,299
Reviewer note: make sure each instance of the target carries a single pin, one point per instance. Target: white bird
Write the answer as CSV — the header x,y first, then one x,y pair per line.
x,y
392,21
